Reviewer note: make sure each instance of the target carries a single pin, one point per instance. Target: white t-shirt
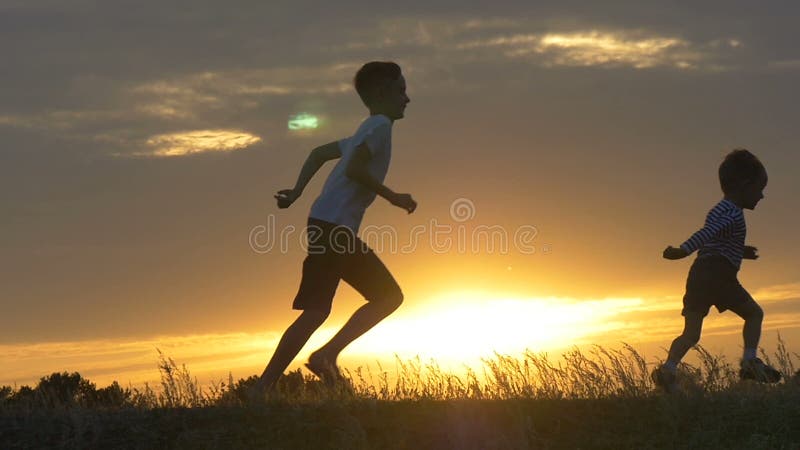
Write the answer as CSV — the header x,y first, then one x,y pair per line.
x,y
343,201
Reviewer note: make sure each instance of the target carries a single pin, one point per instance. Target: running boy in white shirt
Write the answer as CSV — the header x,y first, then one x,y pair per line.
x,y
712,279
335,252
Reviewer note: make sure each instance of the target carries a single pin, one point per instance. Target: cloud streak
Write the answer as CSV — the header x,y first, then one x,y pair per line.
x,y
593,48
546,45
199,141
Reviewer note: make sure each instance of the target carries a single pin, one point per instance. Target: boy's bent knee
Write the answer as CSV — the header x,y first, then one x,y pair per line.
x,y
758,313
393,300
694,339
751,312
315,315
690,338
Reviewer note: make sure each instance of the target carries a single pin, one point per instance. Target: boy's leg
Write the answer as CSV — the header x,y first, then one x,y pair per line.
x,y
665,376
363,320
369,276
314,297
292,341
701,292
753,315
752,367
693,325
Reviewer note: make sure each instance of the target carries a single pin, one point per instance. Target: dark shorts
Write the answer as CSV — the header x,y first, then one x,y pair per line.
x,y
712,282
336,253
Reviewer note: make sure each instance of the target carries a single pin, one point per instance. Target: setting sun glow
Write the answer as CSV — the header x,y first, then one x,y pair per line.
x,y
465,326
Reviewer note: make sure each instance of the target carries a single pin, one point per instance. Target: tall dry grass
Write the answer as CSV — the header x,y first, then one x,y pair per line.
x,y
596,373
595,398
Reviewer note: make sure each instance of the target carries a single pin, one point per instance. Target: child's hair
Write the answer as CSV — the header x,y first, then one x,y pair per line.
x,y
372,76
738,167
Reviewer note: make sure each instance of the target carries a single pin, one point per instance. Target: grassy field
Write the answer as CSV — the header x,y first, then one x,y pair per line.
x,y
600,399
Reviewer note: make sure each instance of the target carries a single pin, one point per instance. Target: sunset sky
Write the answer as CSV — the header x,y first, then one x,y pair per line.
x,y
142,143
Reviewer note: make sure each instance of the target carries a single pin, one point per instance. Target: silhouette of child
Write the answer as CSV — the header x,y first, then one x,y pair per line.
x,y
712,278
335,252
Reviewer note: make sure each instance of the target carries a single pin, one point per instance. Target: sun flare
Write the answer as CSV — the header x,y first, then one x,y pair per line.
x,y
465,326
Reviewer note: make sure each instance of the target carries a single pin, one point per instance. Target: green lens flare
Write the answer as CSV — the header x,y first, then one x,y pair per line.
x,y
303,122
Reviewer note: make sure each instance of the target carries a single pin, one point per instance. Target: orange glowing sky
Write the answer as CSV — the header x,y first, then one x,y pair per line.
x,y
139,156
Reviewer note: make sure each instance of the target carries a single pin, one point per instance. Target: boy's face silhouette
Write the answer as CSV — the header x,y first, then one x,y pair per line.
x,y
394,99
753,191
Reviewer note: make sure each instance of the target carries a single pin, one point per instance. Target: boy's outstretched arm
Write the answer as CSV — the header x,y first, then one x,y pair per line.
x,y
675,252
315,160
714,225
357,170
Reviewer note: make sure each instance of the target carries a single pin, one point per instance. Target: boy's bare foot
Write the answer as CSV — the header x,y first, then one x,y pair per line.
x,y
665,379
325,369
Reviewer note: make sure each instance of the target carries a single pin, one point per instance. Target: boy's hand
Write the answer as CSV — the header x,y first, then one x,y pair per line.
x,y
286,197
674,253
403,201
750,252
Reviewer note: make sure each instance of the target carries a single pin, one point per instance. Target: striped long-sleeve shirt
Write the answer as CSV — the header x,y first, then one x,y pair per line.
x,y
723,233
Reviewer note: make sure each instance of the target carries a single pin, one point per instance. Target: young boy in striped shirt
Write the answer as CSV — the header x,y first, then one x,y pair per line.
x,y
712,278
